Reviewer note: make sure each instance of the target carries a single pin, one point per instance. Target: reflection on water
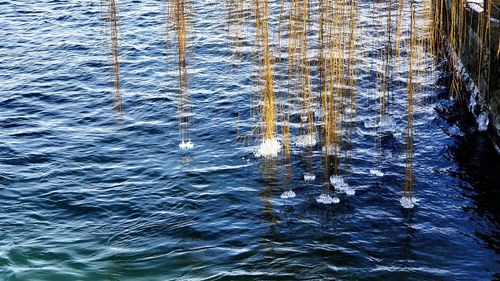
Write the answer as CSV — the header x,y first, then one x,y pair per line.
x,y
478,165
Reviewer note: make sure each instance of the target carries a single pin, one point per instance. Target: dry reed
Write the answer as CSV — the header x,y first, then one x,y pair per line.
x,y
267,95
179,14
113,19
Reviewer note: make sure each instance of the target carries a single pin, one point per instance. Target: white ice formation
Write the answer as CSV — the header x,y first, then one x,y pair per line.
x,y
269,148
349,191
309,177
455,131
341,186
327,199
482,122
186,145
476,5
407,202
308,140
288,194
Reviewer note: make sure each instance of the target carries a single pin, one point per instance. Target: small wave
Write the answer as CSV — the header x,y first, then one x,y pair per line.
x,y
370,124
388,124
376,172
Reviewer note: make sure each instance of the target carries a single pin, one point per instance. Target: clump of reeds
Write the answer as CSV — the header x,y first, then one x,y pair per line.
x,y
235,10
337,44
388,57
112,17
436,36
407,200
399,28
270,145
484,27
285,106
454,26
299,71
456,39
334,75
178,12
351,72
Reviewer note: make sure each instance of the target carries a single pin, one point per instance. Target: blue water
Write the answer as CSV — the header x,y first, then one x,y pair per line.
x,y
91,192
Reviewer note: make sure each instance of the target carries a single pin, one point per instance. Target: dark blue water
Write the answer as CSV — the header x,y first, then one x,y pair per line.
x,y
91,192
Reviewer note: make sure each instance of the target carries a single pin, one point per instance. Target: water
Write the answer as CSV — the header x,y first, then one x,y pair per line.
x,y
89,192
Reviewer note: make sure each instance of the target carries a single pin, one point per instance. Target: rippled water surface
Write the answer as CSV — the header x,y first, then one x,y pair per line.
x,y
91,192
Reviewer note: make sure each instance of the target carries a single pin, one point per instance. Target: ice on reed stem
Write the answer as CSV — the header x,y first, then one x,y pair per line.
x,y
308,140
407,202
288,194
186,145
327,199
269,148
309,177
341,186
482,122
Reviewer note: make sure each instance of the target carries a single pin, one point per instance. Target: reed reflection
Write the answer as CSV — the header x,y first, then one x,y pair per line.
x,y
269,169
